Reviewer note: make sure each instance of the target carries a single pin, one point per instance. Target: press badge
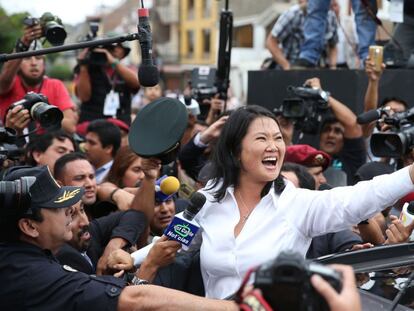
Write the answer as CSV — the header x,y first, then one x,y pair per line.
x,y
111,104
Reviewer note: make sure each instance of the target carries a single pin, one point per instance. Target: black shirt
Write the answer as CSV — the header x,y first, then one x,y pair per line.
x,y
351,157
32,279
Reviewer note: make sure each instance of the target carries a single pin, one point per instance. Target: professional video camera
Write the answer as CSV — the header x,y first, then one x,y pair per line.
x,y
285,283
49,116
8,149
94,58
306,106
52,27
203,83
399,139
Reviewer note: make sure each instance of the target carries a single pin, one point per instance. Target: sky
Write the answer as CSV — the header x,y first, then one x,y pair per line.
x,y
70,11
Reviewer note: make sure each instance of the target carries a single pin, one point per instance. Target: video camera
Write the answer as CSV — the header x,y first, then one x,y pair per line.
x,y
94,58
306,106
49,116
399,139
285,283
52,27
8,149
203,83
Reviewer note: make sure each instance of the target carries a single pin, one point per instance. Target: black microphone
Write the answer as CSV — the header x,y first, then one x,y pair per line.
x,y
182,228
147,73
370,115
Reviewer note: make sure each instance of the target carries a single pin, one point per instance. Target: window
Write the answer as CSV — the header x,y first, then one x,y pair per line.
x,y
243,36
206,36
190,43
191,9
206,5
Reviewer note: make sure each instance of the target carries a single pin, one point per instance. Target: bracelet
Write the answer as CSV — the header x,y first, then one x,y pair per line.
x,y
20,46
115,63
138,281
111,196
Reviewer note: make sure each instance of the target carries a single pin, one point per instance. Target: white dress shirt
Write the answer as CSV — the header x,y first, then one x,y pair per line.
x,y
285,222
101,172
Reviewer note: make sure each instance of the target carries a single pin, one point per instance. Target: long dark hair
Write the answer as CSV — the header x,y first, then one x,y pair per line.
x,y
225,160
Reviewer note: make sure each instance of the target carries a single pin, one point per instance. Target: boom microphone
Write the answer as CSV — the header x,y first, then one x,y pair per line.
x,y
371,115
147,73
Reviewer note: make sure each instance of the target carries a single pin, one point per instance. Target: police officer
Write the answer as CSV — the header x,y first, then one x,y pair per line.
x,y
35,221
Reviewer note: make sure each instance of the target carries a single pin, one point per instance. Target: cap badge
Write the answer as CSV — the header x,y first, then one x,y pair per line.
x,y
67,195
319,159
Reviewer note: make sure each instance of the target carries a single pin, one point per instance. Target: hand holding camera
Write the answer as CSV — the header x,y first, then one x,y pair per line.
x,y
109,58
345,300
31,33
287,283
37,107
18,118
51,27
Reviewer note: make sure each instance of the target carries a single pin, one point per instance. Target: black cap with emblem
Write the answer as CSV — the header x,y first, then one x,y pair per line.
x,y
157,129
44,191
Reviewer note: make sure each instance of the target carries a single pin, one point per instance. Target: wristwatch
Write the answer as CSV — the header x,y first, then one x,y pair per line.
x,y
138,281
324,95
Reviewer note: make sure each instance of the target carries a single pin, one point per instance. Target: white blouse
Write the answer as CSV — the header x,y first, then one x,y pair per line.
x,y
285,222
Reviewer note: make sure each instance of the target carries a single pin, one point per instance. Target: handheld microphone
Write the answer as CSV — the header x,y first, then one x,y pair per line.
x,y
147,73
166,187
372,115
407,216
139,255
183,228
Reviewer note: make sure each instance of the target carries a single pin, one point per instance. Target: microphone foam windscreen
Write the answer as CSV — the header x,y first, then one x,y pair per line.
x,y
148,75
198,199
170,185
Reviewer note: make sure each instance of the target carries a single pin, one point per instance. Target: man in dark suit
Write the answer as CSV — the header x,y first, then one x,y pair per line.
x,y
93,241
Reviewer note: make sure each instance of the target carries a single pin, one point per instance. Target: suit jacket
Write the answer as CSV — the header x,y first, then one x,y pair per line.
x,y
127,225
192,158
72,257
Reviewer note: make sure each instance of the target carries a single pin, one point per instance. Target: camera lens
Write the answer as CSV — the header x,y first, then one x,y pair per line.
x,y
55,33
49,117
9,193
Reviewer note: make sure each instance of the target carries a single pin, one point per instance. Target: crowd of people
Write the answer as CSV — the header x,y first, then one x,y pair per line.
x,y
77,201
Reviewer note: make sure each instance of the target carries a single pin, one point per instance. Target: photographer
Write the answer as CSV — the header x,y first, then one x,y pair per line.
x,y
21,76
341,138
105,87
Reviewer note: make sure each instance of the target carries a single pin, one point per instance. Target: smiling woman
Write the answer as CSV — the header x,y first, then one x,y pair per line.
x,y
252,213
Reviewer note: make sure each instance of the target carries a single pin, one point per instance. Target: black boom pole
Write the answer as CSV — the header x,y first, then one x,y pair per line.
x,y
69,47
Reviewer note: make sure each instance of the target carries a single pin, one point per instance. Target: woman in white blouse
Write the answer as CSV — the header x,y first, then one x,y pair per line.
x,y
252,213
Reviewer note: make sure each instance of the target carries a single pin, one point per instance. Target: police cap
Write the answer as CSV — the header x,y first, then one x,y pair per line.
x,y
158,128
